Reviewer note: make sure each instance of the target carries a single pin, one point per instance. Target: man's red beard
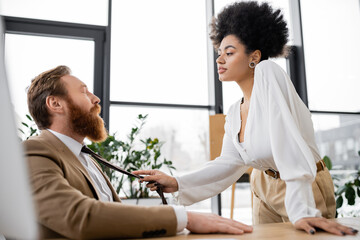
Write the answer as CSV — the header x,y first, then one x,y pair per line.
x,y
88,124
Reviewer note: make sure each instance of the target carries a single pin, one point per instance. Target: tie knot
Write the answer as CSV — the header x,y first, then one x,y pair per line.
x,y
87,150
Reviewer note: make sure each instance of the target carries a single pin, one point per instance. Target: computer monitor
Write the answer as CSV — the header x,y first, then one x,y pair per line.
x,y
17,213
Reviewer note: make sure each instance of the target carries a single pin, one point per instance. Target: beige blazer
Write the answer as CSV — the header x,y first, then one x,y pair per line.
x,y
68,205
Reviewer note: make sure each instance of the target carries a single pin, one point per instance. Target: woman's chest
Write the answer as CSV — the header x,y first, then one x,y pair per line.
x,y
254,135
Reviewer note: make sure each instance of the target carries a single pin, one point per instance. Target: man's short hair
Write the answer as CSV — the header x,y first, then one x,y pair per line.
x,y
45,84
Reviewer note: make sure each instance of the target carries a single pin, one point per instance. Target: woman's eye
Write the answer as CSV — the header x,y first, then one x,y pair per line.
x,y
229,54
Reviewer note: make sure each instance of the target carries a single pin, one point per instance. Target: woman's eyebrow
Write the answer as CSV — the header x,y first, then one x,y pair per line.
x,y
228,46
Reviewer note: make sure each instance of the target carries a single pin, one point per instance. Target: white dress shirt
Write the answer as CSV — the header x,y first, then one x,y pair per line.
x,y
279,134
99,181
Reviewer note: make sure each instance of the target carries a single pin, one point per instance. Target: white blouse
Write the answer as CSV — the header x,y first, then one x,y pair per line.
x,y
279,134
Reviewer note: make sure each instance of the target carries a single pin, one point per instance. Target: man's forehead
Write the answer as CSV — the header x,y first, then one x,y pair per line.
x,y
73,81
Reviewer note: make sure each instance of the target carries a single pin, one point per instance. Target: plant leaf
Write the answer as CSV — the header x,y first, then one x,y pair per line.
x,y
327,162
350,195
340,190
339,202
357,182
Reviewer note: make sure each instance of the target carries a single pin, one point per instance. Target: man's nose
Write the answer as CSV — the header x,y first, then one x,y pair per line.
x,y
94,99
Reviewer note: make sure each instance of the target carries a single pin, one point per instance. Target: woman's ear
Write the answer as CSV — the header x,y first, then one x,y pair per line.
x,y
256,56
54,104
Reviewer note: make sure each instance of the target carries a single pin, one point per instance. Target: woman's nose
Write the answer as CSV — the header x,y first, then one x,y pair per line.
x,y
219,59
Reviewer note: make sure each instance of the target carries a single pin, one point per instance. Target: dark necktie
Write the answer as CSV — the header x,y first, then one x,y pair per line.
x,y
101,160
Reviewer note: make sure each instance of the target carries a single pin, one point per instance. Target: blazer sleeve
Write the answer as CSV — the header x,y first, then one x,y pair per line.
x,y
215,176
292,155
66,210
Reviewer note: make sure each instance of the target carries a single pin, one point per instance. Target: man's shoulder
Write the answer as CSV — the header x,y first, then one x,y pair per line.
x,y
45,143
36,141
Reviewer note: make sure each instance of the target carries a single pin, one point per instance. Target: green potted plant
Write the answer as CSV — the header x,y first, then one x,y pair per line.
x,y
348,189
132,154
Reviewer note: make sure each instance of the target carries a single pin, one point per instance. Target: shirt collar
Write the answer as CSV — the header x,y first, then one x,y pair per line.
x,y
71,143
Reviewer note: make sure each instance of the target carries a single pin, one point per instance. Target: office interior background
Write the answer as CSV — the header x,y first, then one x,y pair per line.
x,y
154,57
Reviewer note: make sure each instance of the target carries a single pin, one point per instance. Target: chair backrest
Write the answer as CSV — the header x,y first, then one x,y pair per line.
x,y
216,134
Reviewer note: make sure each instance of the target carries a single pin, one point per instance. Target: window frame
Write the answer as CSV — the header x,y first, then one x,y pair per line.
x,y
98,34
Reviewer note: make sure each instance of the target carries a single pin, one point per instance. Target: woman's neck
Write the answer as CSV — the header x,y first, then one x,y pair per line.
x,y
246,87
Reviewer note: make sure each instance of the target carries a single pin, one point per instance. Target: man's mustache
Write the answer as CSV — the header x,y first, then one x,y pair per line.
x,y
96,109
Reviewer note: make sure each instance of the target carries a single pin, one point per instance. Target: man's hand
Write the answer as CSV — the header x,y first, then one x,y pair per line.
x,y
169,183
212,223
309,224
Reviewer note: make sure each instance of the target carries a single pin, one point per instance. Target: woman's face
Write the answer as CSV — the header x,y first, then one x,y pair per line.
x,y
232,61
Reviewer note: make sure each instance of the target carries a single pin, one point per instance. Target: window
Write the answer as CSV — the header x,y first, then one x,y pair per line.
x,y
27,56
80,11
159,67
161,56
160,59
331,45
338,137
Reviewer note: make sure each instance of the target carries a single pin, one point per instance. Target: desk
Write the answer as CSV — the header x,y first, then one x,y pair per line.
x,y
276,231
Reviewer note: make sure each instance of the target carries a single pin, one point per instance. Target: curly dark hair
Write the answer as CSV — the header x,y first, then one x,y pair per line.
x,y
257,26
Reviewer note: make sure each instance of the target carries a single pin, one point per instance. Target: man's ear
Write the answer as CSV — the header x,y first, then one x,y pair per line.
x,y
256,56
55,104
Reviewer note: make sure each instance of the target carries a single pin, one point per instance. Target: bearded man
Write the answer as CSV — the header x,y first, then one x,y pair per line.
x,y
73,197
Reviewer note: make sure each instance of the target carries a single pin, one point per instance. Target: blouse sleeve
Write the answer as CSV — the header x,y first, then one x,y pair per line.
x,y
214,177
289,121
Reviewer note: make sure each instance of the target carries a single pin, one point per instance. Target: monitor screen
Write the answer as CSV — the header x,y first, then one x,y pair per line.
x,y
17,213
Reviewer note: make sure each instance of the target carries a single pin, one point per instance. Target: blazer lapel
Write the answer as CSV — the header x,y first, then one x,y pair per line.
x,y
69,157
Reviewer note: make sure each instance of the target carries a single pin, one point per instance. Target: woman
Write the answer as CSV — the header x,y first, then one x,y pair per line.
x,y
269,129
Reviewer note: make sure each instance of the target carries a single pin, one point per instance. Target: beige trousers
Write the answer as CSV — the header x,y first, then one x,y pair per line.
x,y
269,193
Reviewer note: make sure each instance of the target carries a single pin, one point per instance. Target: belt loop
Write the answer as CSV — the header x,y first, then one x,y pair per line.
x,y
276,174
323,164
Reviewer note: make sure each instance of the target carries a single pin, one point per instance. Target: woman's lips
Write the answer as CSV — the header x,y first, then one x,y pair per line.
x,y
221,70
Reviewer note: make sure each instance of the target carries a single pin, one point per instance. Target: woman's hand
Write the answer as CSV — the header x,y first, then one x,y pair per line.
x,y
309,224
168,183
